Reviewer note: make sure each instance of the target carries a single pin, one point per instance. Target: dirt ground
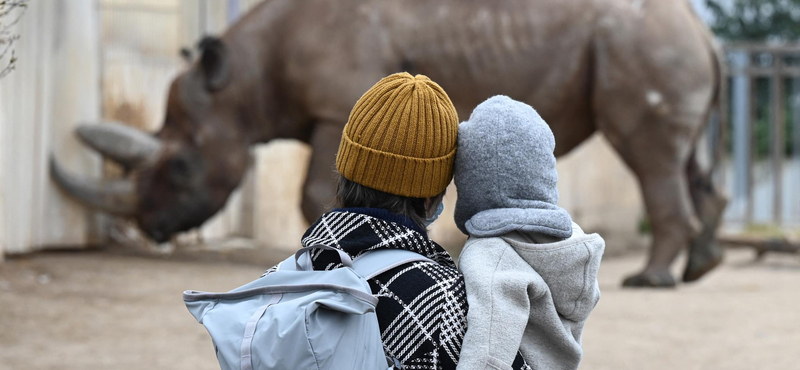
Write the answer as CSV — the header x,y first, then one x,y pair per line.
x,y
101,310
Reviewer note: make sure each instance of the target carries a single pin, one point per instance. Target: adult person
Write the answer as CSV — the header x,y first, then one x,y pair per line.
x,y
395,161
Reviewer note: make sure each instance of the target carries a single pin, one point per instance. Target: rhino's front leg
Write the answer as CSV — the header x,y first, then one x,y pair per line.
x,y
319,189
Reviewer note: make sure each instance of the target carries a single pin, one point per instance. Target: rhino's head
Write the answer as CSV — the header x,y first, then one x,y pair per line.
x,y
182,175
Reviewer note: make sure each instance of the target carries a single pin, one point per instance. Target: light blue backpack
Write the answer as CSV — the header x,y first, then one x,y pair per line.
x,y
298,318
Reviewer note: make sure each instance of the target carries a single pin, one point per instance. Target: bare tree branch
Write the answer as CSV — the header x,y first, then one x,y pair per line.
x,y
7,6
13,9
10,67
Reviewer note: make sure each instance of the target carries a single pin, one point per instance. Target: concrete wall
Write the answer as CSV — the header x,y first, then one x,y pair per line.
x,y
140,41
54,87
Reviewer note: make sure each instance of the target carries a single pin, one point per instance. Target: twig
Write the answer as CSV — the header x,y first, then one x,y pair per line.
x,y
12,4
10,67
8,43
6,37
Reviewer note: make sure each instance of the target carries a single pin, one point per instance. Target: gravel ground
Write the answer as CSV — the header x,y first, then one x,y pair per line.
x,y
99,310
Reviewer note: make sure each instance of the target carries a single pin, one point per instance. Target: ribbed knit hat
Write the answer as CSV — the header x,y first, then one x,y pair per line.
x,y
401,138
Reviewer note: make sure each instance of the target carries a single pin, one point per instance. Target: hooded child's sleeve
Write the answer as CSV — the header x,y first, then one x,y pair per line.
x,y
498,284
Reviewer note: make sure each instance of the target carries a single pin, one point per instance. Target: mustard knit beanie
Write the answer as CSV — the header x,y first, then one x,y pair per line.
x,y
401,138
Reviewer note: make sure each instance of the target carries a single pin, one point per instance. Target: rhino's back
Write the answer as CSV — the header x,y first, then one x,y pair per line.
x,y
541,52
513,47
472,48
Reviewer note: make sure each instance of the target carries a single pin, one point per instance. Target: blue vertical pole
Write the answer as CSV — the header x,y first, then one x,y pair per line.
x,y
795,158
740,91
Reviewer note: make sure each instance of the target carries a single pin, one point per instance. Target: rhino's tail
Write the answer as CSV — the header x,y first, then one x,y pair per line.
x,y
719,103
719,98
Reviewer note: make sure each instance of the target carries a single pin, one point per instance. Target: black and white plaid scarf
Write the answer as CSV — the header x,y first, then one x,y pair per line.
x,y
422,309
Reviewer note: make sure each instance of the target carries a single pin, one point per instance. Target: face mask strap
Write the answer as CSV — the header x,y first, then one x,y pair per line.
x,y
439,209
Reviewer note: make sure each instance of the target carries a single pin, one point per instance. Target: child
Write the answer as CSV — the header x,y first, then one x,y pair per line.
x,y
530,272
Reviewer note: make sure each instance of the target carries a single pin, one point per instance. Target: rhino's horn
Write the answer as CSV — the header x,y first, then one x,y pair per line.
x,y
120,143
117,196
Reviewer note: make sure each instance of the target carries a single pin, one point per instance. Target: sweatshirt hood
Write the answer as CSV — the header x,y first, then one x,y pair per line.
x,y
505,173
568,267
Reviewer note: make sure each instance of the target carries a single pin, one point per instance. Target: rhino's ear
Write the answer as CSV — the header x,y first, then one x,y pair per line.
x,y
187,55
215,63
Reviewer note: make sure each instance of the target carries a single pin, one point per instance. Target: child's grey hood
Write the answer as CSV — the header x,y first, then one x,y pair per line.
x,y
568,268
505,173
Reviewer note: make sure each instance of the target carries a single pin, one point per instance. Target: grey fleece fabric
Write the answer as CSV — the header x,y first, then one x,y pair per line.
x,y
505,172
528,296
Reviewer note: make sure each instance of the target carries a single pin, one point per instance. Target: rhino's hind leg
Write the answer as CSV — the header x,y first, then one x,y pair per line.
x,y
670,211
319,190
704,253
658,151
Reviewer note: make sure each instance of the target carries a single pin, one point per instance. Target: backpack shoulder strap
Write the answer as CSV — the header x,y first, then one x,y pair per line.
x,y
287,264
374,263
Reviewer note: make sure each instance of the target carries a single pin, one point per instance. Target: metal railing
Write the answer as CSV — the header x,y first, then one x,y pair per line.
x,y
750,68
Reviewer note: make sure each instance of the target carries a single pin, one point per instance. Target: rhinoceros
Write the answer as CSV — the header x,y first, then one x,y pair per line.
x,y
644,73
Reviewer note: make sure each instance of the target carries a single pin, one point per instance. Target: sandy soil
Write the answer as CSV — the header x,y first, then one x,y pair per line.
x,y
97,310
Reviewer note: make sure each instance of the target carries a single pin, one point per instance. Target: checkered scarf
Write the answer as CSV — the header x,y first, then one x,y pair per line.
x,y
422,308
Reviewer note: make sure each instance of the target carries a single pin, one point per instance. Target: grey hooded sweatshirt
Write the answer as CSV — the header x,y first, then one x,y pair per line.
x,y
530,272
